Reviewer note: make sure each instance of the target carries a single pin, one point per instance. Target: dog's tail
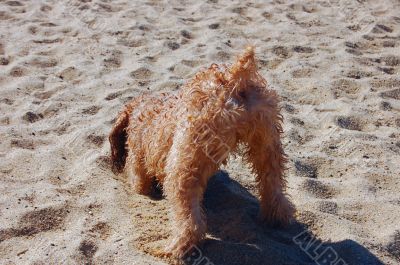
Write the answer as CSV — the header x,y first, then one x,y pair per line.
x,y
244,72
245,64
117,138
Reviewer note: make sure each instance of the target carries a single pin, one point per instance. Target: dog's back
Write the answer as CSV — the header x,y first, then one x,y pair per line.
x,y
137,124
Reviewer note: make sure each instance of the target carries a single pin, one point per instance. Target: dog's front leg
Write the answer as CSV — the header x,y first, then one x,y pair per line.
x,y
268,162
139,179
184,186
185,192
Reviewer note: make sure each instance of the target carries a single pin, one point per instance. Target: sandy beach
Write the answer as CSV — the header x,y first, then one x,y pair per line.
x,y
68,67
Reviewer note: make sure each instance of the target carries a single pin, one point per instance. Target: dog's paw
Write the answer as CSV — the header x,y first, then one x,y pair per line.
x,y
182,247
175,250
184,254
280,214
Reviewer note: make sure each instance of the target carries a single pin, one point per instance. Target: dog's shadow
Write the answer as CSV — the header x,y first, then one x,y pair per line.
x,y
238,238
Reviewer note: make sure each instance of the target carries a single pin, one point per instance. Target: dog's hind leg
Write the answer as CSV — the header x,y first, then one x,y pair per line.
x,y
268,160
140,180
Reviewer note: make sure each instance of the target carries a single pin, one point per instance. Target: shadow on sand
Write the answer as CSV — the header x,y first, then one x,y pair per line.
x,y
240,239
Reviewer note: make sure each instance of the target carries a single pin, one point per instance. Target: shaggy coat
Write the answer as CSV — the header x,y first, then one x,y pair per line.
x,y
181,139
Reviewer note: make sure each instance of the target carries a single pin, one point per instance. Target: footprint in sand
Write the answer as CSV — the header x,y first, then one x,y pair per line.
x,y
97,140
267,15
389,43
32,117
296,121
100,230
53,109
23,143
384,105
310,8
186,34
172,45
378,182
18,71
241,10
391,94
44,41
133,43
37,221
7,101
61,129
387,70
299,136
221,56
354,216
352,45
107,7
282,52
354,48
319,189
114,60
113,96
31,84
397,122
104,162
87,250
14,3
389,64
349,123
33,30
358,74
149,59
345,88
328,207
384,83
70,74
43,62
305,169
4,61
214,26
381,28
5,16
141,73
391,60
91,110
303,49
302,73
354,52
289,108
46,8
47,24
144,27
308,218
5,121
192,63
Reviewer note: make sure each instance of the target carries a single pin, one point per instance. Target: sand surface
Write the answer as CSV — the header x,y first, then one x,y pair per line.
x,y
67,68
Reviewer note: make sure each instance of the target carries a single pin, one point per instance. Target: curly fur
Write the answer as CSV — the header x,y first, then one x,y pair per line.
x,y
182,138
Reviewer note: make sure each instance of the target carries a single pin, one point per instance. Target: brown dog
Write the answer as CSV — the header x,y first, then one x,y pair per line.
x,y
182,138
